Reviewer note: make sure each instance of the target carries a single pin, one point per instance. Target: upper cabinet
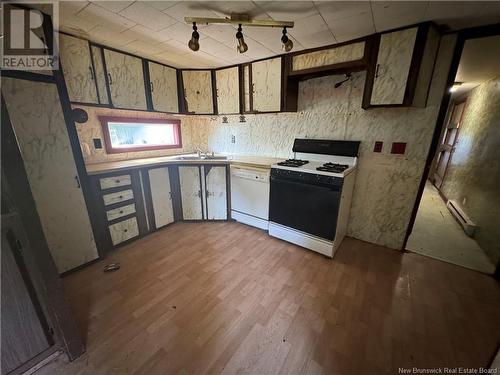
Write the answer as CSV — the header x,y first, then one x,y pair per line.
x,y
126,80
77,68
198,91
266,85
163,86
402,66
227,85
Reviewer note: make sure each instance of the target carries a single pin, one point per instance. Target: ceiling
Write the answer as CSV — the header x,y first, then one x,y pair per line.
x,y
479,63
156,29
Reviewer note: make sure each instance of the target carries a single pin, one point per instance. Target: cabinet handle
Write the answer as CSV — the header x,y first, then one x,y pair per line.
x,y
110,79
77,182
125,230
217,92
199,193
121,197
91,73
117,181
253,88
170,195
152,87
376,70
121,211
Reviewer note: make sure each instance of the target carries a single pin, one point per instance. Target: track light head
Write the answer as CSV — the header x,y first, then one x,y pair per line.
x,y
194,43
287,42
242,46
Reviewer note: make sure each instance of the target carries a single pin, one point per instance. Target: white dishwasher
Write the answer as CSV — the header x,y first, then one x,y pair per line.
x,y
250,196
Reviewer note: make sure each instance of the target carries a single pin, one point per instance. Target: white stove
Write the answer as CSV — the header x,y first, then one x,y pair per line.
x,y
310,195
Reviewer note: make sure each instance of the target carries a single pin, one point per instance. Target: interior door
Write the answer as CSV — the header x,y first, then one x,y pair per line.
x,y
163,82
37,120
191,196
393,66
24,327
228,90
77,67
216,192
161,194
126,80
266,83
447,146
198,91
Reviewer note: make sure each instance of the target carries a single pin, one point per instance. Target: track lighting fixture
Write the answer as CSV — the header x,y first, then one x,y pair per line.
x,y
194,43
287,42
242,46
347,78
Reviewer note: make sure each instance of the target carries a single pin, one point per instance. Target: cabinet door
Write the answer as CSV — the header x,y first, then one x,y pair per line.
x,y
266,81
216,192
189,178
393,66
247,97
77,68
198,91
100,74
38,122
163,88
228,90
161,195
126,80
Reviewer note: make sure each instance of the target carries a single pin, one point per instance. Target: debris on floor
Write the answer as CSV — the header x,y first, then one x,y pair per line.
x,y
112,267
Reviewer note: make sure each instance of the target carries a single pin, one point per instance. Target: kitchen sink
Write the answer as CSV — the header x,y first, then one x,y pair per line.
x,y
202,157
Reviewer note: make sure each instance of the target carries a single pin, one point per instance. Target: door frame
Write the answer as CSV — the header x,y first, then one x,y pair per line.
x,y
462,37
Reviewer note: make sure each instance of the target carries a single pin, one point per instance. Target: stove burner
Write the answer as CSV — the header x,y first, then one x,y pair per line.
x,y
293,163
333,167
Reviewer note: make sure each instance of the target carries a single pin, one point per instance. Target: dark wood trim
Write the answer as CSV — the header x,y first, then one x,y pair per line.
x,y
289,88
140,210
94,75
80,267
123,218
15,183
148,197
175,188
180,92
228,191
215,104
29,76
115,189
147,85
462,37
106,77
112,150
201,172
116,205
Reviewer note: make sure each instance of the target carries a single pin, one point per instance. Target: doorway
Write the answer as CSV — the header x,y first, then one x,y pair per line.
x,y
457,216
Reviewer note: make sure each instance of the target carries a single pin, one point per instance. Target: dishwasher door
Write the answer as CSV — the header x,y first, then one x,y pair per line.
x,y
250,194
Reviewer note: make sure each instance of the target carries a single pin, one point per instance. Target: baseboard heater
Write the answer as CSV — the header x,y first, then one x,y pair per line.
x,y
458,213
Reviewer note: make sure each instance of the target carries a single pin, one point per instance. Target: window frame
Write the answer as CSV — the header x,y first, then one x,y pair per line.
x,y
105,120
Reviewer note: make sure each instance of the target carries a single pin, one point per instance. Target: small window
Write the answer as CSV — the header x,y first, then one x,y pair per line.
x,y
123,134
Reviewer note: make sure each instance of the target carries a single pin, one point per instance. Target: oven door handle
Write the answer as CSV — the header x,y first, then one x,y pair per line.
x,y
306,183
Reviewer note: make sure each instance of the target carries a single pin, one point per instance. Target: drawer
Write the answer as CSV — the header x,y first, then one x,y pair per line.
x,y
119,196
124,230
116,181
120,212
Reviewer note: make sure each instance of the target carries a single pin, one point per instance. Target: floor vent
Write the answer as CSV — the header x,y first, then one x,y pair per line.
x,y
468,226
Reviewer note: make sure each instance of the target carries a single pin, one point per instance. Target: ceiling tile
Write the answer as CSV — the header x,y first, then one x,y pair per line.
x,y
141,48
355,26
113,6
393,14
108,37
312,29
287,10
222,33
189,9
334,10
142,33
68,9
147,16
102,17
77,26
160,5
225,8
181,32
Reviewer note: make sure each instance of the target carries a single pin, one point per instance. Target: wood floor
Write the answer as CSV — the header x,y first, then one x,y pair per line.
x,y
214,298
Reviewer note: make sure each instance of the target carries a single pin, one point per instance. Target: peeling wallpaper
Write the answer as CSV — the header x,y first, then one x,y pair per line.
x,y
473,175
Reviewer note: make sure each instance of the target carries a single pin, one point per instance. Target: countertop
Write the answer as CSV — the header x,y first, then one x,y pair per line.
x,y
243,160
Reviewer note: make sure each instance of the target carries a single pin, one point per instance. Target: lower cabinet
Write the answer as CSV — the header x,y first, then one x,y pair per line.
x,y
161,196
123,231
191,192
216,192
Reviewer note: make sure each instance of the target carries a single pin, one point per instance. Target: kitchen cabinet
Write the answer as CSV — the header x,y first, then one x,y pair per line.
x,y
76,64
198,91
163,87
401,68
266,85
215,192
37,119
100,74
227,85
126,80
161,196
191,196
247,89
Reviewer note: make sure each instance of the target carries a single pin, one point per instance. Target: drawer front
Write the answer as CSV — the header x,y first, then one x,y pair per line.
x,y
119,196
123,231
120,212
116,181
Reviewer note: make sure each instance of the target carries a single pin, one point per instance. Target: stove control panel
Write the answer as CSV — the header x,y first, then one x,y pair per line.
x,y
310,178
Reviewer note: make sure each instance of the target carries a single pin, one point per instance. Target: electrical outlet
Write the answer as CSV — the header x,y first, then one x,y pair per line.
x,y
233,138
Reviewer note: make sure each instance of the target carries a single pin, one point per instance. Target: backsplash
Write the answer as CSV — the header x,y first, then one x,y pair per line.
x,y
92,129
386,184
